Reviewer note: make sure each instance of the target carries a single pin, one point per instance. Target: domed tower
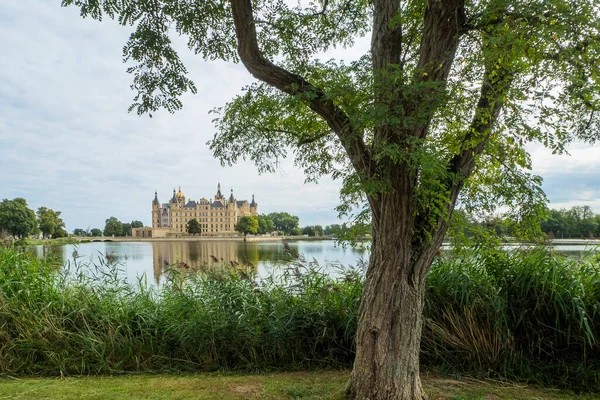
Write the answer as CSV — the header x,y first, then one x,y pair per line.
x,y
155,211
180,197
231,198
174,198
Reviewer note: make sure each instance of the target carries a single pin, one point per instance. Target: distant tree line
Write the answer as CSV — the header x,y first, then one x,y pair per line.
x,y
280,222
112,227
285,224
19,221
578,222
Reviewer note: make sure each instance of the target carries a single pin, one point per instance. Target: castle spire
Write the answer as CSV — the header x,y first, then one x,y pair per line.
x,y
253,204
155,201
231,198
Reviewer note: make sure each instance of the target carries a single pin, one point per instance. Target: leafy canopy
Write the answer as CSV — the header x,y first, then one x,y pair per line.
x,y
511,73
193,227
17,218
247,225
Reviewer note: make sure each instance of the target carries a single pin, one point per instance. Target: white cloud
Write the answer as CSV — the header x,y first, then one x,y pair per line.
x,y
67,141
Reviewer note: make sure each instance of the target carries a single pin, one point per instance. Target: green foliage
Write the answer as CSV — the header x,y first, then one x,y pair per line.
x,y
265,224
16,218
313,230
284,222
512,74
113,227
81,232
577,222
96,232
193,227
528,314
247,225
49,222
137,224
125,229
59,233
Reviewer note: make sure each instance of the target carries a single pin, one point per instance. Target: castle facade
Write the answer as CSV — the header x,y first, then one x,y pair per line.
x,y
217,216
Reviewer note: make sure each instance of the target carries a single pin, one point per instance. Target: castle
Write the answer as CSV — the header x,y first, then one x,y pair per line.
x,y
217,216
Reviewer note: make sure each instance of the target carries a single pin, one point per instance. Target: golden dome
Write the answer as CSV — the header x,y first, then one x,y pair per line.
x,y
180,193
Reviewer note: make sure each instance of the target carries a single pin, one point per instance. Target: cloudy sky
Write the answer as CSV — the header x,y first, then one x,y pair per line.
x,y
68,143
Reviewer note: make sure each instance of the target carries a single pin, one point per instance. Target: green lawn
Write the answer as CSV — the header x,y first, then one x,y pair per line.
x,y
299,385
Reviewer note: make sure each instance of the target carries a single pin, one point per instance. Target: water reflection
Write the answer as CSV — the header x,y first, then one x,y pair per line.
x,y
153,259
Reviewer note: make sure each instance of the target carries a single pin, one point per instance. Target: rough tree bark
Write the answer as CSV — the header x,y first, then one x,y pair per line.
x,y
389,330
405,240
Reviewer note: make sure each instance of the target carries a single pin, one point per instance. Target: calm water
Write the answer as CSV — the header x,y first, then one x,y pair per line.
x,y
152,259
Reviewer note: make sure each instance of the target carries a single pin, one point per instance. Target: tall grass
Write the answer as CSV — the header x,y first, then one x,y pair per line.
x,y
81,323
528,315
523,314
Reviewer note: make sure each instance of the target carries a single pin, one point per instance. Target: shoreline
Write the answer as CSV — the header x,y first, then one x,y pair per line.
x,y
78,240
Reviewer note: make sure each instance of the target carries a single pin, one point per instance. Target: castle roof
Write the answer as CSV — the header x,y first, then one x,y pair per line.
x,y
217,204
191,204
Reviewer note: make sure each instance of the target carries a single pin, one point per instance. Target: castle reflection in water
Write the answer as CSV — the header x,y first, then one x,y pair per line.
x,y
205,255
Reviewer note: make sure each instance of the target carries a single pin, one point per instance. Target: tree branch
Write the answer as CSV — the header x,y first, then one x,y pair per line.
x,y
386,40
295,85
443,25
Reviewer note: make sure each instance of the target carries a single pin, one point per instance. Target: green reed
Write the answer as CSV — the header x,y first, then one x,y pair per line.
x,y
528,315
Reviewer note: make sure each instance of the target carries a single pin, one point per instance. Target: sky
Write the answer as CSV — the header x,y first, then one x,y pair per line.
x,y
68,143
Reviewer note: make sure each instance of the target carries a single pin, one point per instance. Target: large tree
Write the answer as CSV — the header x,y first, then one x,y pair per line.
x,y
444,101
284,222
113,227
17,218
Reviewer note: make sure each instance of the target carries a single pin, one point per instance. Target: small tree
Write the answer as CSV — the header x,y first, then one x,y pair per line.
x,y
49,221
247,225
113,227
193,227
126,229
96,232
59,233
80,232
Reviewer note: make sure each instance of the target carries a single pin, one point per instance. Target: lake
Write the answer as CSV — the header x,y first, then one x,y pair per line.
x,y
152,259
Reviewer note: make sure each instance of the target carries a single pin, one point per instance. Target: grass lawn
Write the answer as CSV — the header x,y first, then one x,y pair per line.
x,y
213,386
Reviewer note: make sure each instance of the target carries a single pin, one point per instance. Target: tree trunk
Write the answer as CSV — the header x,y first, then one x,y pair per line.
x,y
390,319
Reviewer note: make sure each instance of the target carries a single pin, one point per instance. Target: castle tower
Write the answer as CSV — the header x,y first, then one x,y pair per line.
x,y
219,196
180,197
155,211
253,205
